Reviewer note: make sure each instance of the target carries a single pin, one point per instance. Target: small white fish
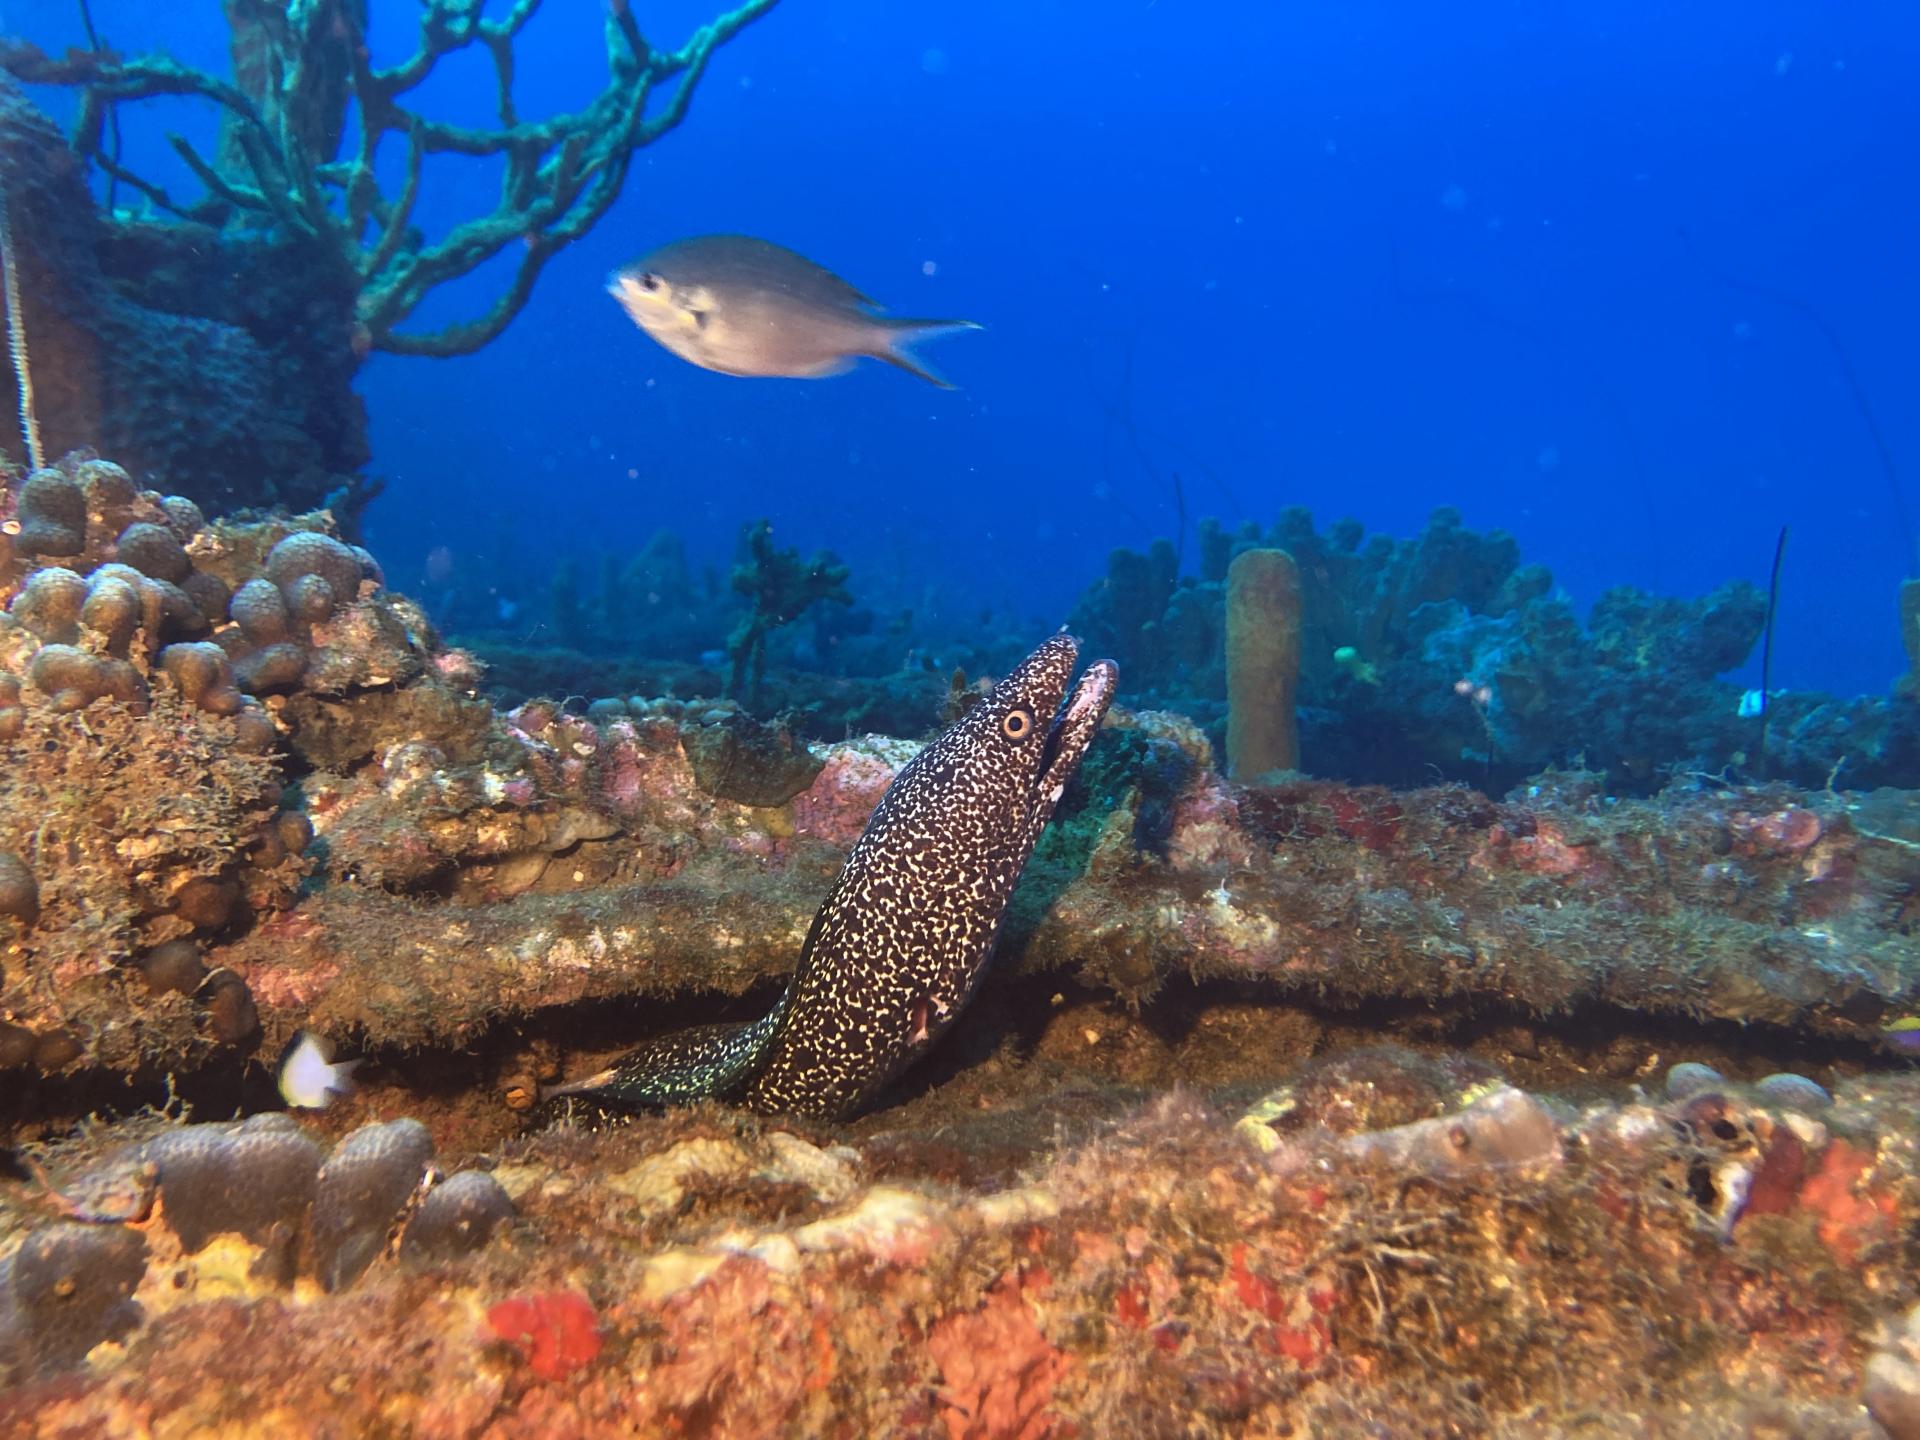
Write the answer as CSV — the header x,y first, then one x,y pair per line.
x,y
743,306
309,1080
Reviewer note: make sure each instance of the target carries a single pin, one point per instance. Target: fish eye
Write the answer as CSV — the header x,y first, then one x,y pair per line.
x,y
1017,725
649,282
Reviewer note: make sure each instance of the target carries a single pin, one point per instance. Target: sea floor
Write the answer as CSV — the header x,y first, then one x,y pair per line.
x,y
1215,1215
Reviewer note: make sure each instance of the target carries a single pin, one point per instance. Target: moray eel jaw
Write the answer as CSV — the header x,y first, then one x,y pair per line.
x,y
1068,737
906,932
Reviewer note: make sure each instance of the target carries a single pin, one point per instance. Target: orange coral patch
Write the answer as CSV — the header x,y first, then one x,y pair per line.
x,y
557,1331
998,1368
1848,1215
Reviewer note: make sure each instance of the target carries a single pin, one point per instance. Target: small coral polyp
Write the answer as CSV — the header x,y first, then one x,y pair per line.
x,y
144,655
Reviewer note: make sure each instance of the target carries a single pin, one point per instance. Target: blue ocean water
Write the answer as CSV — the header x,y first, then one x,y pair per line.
x,y
1572,269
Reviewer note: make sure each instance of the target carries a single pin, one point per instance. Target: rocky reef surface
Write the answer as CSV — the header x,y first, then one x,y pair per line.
x,y
1386,1243
1291,1107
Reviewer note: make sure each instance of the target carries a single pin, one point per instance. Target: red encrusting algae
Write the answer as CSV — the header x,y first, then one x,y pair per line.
x,y
557,1331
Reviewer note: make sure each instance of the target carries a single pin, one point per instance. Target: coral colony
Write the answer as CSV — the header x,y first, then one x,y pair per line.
x,y
1420,1011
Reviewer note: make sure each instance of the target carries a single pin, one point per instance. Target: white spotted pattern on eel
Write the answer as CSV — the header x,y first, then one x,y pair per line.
x,y
897,949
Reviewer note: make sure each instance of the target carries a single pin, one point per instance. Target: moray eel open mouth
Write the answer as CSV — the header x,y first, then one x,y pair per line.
x,y
1072,729
906,932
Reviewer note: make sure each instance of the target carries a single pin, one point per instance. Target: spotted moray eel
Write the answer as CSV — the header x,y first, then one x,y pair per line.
x,y
897,949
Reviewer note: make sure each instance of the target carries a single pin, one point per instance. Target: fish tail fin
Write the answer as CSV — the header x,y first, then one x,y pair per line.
x,y
901,333
684,1066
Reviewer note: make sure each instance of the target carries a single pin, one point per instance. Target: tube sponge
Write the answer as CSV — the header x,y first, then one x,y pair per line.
x,y
1263,663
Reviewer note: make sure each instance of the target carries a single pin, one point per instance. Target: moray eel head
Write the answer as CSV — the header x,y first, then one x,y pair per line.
x,y
1001,770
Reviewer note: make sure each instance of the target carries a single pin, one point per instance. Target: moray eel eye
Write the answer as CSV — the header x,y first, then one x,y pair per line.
x,y
1017,725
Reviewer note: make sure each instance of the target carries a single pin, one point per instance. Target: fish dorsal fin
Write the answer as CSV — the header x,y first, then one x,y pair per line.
x,y
776,1017
748,258
691,1064
674,1069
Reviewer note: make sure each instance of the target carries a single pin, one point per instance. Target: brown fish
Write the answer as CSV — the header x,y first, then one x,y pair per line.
x,y
749,307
